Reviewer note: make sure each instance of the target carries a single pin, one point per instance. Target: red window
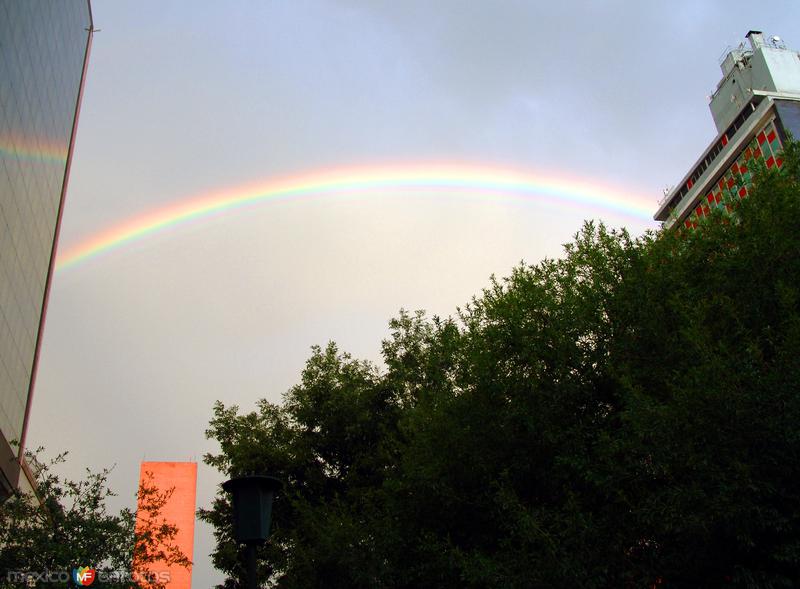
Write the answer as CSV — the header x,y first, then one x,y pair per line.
x,y
724,140
699,211
761,138
710,197
690,183
779,162
730,182
770,162
742,192
771,136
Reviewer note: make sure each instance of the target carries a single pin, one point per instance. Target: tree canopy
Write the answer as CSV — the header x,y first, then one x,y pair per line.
x,y
623,416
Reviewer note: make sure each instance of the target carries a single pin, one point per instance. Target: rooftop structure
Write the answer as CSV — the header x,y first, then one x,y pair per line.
x,y
755,107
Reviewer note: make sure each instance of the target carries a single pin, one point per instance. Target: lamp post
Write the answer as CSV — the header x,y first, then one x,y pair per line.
x,y
252,514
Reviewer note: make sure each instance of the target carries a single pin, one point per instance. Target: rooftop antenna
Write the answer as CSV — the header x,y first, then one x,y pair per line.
x,y
777,42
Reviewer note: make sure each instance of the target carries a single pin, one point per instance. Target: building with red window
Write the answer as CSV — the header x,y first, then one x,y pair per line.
x,y
755,107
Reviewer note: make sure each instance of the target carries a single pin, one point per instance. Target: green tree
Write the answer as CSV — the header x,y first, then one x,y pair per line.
x,y
624,416
709,365
68,525
331,441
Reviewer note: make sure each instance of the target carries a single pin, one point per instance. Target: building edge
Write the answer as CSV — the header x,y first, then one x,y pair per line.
x,y
24,467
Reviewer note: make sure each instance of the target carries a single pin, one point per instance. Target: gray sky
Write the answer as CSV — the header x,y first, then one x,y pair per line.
x,y
187,97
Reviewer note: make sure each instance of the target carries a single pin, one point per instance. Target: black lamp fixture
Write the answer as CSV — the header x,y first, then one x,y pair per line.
x,y
252,514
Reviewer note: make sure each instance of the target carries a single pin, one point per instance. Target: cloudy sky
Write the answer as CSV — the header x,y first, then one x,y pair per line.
x,y
188,97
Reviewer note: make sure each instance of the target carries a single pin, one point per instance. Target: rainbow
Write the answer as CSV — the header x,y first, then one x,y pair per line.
x,y
33,149
462,179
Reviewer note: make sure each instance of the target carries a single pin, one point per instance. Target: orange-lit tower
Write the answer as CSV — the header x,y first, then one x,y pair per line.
x,y
179,510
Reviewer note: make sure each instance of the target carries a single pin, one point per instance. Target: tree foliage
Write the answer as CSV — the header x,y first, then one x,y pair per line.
x,y
623,416
69,526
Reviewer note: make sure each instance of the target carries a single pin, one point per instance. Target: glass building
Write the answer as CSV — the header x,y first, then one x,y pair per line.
x,y
755,107
44,48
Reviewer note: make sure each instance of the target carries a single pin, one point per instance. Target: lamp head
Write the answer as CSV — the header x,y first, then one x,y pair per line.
x,y
252,506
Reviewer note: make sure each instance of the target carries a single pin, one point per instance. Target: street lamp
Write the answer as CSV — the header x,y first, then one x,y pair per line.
x,y
252,514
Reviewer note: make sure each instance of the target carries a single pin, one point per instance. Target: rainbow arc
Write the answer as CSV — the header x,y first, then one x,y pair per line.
x,y
466,180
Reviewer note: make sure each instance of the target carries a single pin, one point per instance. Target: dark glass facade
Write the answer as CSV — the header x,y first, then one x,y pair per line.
x,y
43,50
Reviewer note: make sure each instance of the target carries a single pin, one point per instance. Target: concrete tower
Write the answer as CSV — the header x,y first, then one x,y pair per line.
x,y
181,478
756,103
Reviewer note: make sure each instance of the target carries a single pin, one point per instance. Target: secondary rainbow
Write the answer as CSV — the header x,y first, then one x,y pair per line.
x,y
466,180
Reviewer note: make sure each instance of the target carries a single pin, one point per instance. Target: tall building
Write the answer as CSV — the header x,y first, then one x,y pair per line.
x,y
756,103
44,48
181,479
